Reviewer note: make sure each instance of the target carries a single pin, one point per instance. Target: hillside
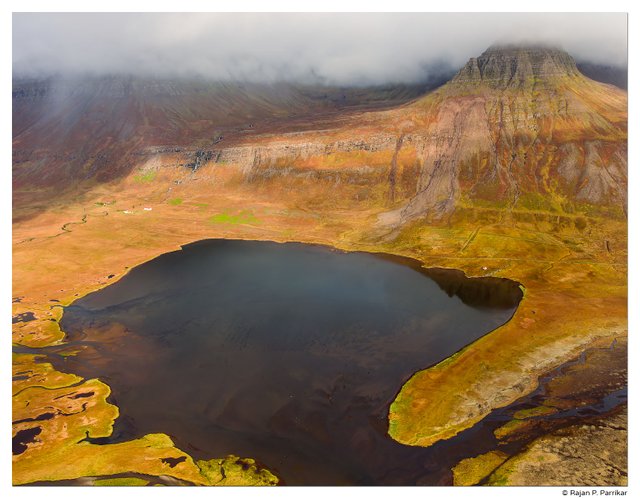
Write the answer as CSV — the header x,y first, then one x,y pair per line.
x,y
87,128
523,129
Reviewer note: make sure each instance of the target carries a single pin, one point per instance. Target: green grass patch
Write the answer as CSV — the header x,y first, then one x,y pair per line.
x,y
536,202
534,412
121,481
145,176
245,217
235,471
176,201
509,428
289,232
65,354
471,471
501,478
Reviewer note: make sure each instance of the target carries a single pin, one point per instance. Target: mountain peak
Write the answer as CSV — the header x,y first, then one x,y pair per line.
x,y
516,66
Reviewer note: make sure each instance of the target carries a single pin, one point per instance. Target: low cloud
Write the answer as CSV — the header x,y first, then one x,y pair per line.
x,y
329,48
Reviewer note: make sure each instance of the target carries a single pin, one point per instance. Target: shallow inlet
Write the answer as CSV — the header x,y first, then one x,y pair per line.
x,y
286,353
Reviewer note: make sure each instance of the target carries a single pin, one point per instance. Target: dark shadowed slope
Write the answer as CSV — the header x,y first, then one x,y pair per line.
x,y
69,134
612,75
85,128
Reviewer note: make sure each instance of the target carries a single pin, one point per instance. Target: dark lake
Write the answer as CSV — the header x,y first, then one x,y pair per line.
x,y
287,353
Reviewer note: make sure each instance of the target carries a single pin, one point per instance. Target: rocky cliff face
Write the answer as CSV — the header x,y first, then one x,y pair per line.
x,y
516,66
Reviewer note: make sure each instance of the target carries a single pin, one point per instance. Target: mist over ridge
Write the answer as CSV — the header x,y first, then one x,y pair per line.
x,y
330,49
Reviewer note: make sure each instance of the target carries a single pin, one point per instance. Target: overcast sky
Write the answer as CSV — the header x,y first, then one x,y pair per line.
x,y
334,48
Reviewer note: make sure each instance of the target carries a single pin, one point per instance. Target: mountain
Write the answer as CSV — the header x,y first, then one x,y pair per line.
x,y
521,127
517,128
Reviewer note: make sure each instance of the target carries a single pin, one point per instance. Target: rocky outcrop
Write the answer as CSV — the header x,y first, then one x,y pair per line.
x,y
503,66
581,455
460,126
261,160
200,158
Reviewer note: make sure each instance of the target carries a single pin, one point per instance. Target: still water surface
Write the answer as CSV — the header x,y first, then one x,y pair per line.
x,y
286,353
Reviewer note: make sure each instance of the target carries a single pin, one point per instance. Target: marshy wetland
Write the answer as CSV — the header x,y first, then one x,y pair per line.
x,y
290,353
